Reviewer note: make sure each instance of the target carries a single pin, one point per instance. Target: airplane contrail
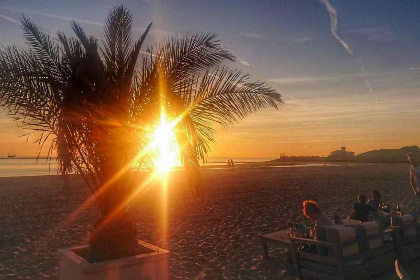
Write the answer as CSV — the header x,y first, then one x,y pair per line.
x,y
334,24
79,20
53,16
12,20
334,27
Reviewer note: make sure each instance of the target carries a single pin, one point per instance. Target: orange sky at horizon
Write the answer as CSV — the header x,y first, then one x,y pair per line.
x,y
302,127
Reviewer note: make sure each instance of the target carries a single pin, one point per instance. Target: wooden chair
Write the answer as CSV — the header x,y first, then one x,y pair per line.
x,y
409,243
408,265
363,265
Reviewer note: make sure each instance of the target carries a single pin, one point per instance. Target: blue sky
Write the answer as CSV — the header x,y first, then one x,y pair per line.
x,y
365,101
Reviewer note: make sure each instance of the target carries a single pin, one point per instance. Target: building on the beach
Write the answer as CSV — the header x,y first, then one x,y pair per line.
x,y
341,154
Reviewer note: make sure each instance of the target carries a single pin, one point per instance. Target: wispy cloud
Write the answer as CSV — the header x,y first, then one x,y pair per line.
x,y
53,16
9,19
79,20
241,61
364,31
253,35
348,80
12,20
301,80
373,34
302,40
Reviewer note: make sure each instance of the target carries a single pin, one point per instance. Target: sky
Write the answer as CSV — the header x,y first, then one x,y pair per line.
x,y
354,84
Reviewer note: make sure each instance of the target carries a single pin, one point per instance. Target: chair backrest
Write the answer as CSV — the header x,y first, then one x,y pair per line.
x,y
408,229
407,224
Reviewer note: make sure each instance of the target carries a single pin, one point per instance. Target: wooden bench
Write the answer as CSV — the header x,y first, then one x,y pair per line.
x,y
281,238
408,266
363,265
410,243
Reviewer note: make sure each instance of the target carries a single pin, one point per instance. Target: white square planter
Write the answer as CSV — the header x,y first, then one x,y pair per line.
x,y
148,266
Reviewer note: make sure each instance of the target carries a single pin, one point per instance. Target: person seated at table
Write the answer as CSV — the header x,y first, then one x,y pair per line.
x,y
312,211
360,209
375,201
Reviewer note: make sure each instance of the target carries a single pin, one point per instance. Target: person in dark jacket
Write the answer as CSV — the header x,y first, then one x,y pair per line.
x,y
360,209
375,201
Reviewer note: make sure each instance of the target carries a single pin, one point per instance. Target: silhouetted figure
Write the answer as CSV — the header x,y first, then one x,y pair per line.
x,y
360,209
229,165
232,164
312,211
414,181
375,201
414,173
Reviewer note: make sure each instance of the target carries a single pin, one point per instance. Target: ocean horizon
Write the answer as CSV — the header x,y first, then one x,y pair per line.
x,y
31,166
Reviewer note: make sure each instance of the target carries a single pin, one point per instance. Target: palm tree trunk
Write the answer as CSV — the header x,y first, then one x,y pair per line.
x,y
114,235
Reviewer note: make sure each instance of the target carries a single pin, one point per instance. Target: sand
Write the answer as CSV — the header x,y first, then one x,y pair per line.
x,y
212,238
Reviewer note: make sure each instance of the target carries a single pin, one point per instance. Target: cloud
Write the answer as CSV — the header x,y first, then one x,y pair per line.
x,y
301,80
17,22
253,35
373,34
9,19
364,31
79,20
53,16
243,62
334,24
348,80
302,40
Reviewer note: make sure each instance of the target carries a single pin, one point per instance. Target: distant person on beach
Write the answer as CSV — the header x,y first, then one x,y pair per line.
x,y
232,164
360,209
414,173
312,211
229,166
375,201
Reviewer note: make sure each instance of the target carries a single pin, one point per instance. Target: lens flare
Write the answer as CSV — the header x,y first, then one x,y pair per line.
x,y
166,153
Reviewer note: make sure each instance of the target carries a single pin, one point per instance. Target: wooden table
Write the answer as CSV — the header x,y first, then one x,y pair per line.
x,y
280,238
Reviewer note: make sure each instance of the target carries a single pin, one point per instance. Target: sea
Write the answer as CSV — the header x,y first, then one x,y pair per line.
x,y
16,167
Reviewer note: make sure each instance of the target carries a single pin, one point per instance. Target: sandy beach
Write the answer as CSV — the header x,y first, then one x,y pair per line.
x,y
211,238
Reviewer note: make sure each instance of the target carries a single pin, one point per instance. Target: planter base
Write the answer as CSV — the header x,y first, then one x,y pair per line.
x,y
149,266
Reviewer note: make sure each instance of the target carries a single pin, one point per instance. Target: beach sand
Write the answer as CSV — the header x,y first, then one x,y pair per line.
x,y
211,238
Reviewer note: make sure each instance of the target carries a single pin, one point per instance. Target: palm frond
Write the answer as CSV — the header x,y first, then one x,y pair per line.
x,y
182,60
191,54
43,46
25,90
133,59
226,96
117,42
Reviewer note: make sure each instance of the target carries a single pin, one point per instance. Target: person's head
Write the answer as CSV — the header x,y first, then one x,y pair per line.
x,y
311,209
362,199
412,158
375,195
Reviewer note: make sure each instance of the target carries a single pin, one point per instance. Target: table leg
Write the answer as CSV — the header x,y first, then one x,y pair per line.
x,y
265,249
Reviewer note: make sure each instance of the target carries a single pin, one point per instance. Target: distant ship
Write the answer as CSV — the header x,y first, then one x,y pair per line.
x,y
11,155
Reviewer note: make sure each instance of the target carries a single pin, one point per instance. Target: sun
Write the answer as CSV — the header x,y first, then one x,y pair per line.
x,y
166,149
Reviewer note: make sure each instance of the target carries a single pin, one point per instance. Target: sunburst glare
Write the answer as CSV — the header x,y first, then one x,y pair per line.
x,y
166,150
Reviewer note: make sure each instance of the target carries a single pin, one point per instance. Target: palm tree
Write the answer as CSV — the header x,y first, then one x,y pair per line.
x,y
96,105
